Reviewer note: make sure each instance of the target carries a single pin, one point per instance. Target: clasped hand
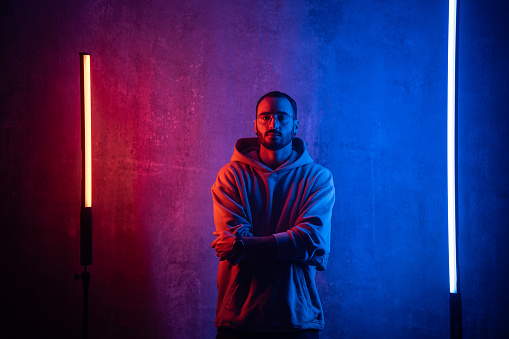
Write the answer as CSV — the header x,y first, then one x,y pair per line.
x,y
224,247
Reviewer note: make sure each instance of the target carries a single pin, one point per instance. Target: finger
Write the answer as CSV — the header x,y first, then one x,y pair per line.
x,y
228,255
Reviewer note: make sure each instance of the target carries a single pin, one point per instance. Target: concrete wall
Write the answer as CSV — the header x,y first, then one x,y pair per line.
x,y
174,85
483,138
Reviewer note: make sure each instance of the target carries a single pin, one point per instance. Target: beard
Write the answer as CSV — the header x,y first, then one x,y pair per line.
x,y
275,144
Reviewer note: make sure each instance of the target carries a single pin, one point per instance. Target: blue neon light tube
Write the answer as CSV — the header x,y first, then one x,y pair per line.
x,y
451,147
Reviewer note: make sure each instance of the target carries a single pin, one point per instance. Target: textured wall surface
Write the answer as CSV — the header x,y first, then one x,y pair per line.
x,y
483,173
174,84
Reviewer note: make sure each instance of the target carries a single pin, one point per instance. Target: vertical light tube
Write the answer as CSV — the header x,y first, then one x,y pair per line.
x,y
86,183
455,308
451,147
87,123
86,152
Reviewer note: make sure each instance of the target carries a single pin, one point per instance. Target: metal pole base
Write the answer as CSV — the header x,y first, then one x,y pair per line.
x,y
456,316
85,278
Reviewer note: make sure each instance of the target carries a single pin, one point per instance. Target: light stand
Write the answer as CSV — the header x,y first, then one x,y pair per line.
x,y
86,184
455,313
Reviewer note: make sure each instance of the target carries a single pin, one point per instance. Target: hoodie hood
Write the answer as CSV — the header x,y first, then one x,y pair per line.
x,y
247,150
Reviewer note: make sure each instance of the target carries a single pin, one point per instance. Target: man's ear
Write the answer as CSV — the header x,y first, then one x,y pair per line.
x,y
255,127
295,126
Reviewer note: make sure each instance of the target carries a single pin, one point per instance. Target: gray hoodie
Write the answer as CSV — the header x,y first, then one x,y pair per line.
x,y
293,203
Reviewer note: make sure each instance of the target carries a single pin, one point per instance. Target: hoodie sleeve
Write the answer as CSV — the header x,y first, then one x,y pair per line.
x,y
309,239
229,212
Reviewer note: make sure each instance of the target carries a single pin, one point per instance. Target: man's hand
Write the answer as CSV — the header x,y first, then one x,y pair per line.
x,y
224,247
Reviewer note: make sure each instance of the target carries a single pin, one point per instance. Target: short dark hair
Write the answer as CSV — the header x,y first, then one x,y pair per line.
x,y
277,94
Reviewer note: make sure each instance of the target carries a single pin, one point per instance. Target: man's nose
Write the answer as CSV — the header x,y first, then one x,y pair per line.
x,y
274,123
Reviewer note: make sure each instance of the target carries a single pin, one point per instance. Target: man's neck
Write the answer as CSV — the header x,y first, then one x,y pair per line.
x,y
274,159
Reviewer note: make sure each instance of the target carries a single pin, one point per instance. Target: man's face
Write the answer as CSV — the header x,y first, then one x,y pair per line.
x,y
275,135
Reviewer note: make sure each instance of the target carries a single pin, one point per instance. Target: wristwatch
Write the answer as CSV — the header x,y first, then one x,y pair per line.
x,y
238,245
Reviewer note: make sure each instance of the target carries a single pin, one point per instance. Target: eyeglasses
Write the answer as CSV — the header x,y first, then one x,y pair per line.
x,y
265,119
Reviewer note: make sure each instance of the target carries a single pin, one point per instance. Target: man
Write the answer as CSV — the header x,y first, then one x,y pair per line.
x,y
272,212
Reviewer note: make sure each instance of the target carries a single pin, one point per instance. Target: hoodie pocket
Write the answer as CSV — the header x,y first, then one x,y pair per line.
x,y
237,292
302,300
